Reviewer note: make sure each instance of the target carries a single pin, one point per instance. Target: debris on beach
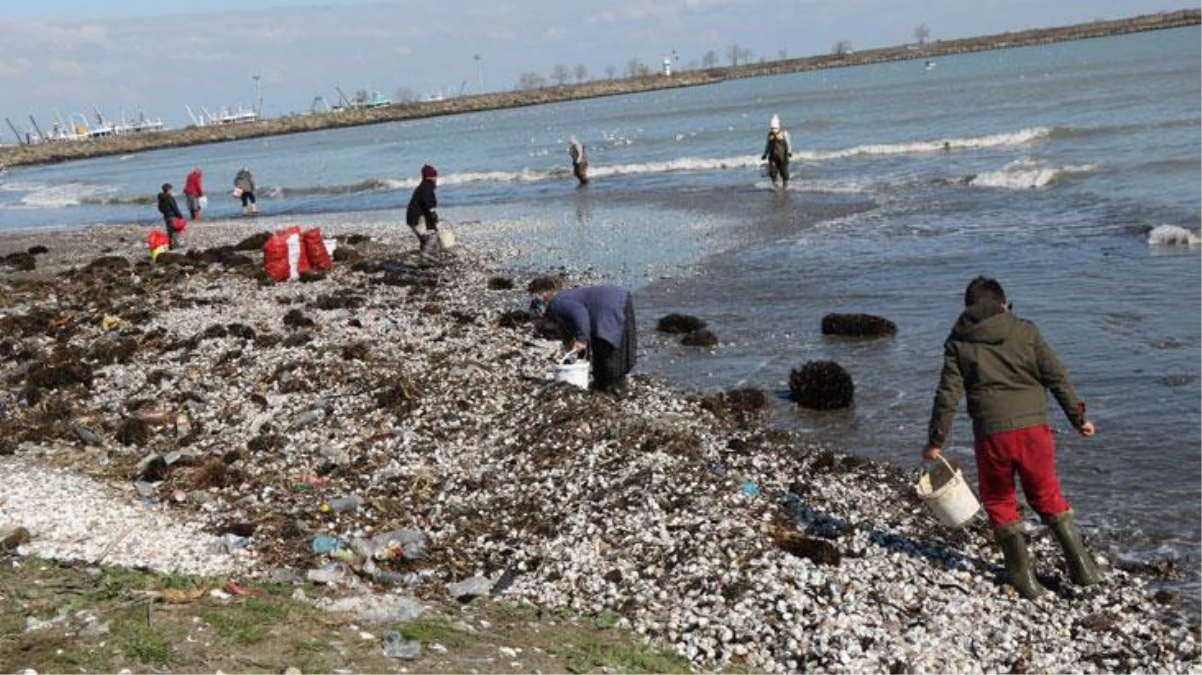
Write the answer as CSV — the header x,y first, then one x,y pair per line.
x,y
388,432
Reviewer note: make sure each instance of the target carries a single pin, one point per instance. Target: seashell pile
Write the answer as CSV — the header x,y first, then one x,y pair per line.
x,y
399,418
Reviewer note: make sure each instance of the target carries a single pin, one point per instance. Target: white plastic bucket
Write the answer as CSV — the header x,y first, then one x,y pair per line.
x,y
446,237
575,373
953,503
330,245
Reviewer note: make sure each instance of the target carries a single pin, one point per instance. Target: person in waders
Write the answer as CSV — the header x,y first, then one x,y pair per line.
x,y
579,160
420,216
170,210
597,321
244,189
1004,366
778,150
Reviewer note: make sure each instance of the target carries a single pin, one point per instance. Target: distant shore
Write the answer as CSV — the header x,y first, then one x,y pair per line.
x,y
15,155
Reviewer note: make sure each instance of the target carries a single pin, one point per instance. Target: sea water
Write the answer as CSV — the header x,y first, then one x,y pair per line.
x,y
1070,172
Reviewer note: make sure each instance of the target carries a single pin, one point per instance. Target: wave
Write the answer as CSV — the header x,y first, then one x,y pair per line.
x,y
1025,174
68,194
1173,235
1021,137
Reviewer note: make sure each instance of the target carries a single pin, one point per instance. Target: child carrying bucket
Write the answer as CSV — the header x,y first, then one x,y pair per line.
x,y
1003,365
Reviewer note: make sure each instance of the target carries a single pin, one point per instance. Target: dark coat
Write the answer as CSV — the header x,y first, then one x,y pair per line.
x,y
1004,365
422,203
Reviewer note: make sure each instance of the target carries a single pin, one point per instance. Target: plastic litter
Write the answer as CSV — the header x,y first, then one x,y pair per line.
x,y
397,647
342,504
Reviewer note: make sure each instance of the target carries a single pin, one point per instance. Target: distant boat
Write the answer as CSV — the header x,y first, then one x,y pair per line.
x,y
929,65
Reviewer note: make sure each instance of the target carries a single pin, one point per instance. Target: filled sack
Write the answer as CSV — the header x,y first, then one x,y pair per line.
x,y
284,255
315,250
157,242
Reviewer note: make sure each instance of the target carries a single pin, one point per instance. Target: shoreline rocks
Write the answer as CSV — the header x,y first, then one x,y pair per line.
x,y
705,530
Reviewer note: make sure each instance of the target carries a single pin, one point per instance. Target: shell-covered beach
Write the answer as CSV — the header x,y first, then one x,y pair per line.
x,y
191,415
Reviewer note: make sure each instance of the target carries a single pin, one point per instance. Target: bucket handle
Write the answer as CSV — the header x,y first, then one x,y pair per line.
x,y
571,356
922,468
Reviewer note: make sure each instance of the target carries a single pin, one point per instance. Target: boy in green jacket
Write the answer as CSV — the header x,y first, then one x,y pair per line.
x,y
1003,365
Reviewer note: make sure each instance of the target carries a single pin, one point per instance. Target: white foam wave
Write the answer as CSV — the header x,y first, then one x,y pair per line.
x,y
60,196
1173,235
1020,137
1025,174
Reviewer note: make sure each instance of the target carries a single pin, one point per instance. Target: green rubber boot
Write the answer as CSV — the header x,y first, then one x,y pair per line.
x,y
1082,568
1010,539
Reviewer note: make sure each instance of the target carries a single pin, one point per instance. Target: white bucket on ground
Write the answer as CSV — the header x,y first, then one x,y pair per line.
x,y
574,373
446,237
330,244
953,503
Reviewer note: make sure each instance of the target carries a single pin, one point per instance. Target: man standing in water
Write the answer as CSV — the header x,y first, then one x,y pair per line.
x,y
778,150
1003,365
193,192
421,210
579,160
244,189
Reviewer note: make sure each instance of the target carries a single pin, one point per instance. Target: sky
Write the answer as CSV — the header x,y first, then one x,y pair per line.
x,y
63,58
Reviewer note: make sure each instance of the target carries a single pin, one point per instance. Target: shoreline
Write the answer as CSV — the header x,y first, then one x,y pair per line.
x,y
19,155
421,391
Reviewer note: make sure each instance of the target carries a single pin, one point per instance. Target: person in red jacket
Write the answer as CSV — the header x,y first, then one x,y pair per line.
x,y
193,192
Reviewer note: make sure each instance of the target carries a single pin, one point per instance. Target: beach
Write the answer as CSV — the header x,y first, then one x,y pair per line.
x,y
214,416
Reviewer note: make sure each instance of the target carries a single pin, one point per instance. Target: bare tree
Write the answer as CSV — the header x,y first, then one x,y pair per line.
x,y
560,74
733,53
841,48
531,81
581,72
403,95
634,67
782,54
709,60
610,71
922,33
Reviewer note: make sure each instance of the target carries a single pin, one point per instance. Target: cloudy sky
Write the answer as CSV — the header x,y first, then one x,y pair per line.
x,y
151,56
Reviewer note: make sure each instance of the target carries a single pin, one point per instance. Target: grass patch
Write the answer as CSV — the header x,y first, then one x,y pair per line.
x,y
607,619
85,660
592,655
247,622
433,629
139,641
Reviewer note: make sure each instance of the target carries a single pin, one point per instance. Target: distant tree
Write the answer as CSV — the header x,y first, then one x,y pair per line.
x,y
403,95
922,33
841,48
634,67
531,81
581,72
360,97
610,71
560,74
782,55
733,53
709,60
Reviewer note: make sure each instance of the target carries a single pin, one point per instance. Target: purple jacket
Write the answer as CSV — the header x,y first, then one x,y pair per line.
x,y
592,312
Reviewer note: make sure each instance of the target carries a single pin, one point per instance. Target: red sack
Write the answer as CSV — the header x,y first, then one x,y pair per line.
x,y
179,224
157,238
284,255
275,258
315,250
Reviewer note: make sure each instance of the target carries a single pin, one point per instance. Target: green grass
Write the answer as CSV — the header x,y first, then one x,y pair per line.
x,y
139,641
246,623
87,660
597,655
432,629
607,619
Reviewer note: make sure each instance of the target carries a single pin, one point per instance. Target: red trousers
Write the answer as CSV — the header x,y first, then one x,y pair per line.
x,y
1029,452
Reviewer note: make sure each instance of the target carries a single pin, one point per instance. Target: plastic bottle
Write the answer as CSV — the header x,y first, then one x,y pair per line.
x,y
342,504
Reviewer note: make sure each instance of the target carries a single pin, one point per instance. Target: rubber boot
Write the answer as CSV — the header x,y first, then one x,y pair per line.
x,y
1010,539
1082,568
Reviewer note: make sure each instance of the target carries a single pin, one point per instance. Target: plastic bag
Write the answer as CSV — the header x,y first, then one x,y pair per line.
x,y
202,201
178,224
237,193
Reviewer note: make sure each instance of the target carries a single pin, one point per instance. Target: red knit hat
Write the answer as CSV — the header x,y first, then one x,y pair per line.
x,y
429,171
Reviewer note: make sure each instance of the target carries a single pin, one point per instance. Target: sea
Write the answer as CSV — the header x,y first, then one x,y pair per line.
x,y
1071,172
